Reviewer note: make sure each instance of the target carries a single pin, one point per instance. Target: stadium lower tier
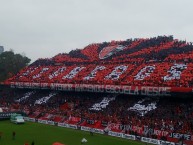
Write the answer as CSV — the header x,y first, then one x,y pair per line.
x,y
166,118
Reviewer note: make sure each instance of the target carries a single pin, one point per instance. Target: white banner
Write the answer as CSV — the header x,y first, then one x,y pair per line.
x,y
29,119
100,131
42,121
128,136
62,125
84,128
95,130
68,125
117,134
156,141
72,126
50,122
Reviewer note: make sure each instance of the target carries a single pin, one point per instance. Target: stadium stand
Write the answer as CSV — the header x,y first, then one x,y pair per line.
x,y
160,61
141,87
107,111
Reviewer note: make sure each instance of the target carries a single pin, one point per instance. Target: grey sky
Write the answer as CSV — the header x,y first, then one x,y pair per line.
x,y
44,28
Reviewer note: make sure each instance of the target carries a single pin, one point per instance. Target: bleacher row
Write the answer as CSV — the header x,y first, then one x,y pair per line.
x,y
103,111
156,74
155,62
159,61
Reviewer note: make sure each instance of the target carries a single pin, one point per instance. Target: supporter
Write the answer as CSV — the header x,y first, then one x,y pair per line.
x,y
169,115
1,135
33,143
13,135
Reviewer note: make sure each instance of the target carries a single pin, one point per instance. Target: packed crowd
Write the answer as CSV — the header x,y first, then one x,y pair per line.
x,y
159,61
172,114
152,74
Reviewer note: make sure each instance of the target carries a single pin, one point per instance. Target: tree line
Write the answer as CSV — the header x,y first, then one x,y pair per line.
x,y
11,64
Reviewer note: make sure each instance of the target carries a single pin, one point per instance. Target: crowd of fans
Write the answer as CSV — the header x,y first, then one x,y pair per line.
x,y
172,114
159,61
165,54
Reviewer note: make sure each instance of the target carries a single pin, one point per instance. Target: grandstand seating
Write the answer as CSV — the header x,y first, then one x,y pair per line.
x,y
155,62
91,110
159,61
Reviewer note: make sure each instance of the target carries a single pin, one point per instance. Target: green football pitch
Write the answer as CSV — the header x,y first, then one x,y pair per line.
x,y
43,134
